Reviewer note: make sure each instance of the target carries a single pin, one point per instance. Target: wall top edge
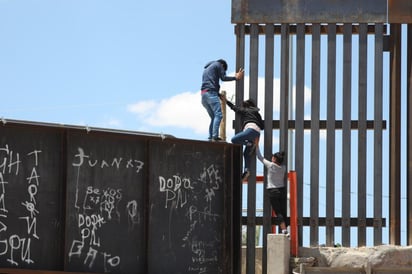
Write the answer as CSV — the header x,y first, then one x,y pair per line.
x,y
321,11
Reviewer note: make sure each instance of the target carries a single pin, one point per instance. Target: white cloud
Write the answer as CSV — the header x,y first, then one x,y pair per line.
x,y
142,107
230,88
185,111
113,122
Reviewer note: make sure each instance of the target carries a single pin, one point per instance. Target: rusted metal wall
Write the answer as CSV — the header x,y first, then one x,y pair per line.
x,y
321,11
104,201
399,11
333,40
314,11
321,62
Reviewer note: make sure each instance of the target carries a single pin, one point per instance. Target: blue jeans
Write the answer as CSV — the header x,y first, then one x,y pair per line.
x,y
211,102
247,138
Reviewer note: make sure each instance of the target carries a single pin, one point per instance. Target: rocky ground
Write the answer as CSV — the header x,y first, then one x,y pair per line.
x,y
363,257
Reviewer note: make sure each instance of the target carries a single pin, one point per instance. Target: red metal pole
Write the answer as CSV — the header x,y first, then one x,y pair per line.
x,y
293,213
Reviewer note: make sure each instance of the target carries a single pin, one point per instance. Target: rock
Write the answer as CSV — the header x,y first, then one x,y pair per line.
x,y
387,256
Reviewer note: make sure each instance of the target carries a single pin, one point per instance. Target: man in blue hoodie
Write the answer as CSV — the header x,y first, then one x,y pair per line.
x,y
215,71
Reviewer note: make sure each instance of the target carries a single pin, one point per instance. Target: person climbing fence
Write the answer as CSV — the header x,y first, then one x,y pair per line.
x,y
252,125
276,187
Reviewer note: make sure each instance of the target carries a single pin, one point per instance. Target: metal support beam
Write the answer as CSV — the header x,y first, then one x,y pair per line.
x,y
409,136
395,136
308,29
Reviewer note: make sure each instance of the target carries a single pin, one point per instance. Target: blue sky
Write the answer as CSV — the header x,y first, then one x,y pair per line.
x,y
130,65
126,64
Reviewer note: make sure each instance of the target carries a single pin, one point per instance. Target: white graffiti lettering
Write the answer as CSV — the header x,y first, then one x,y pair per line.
x,y
3,210
8,161
176,190
93,221
76,249
16,248
36,158
31,226
81,158
111,261
100,206
132,213
91,257
16,243
33,176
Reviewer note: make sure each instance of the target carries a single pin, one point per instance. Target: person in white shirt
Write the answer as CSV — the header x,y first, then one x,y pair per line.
x,y
276,178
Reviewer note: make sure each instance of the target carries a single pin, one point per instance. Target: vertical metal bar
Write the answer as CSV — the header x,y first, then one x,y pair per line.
x,y
346,133
253,61
395,135
299,124
240,61
251,187
377,154
330,156
284,92
315,116
291,101
268,133
362,110
284,88
409,135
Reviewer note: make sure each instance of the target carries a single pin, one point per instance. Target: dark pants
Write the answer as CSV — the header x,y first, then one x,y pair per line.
x,y
243,138
278,200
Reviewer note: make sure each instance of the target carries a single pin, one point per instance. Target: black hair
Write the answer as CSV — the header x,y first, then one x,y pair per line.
x,y
248,103
224,64
279,157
